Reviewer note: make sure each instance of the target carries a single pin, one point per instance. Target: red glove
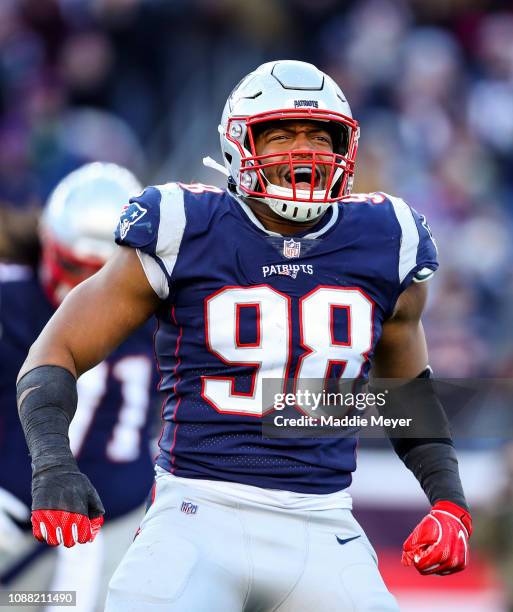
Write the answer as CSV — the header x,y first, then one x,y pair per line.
x,y
57,527
439,543
66,508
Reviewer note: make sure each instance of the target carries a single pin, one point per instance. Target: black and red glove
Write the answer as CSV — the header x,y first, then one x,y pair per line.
x,y
66,508
439,543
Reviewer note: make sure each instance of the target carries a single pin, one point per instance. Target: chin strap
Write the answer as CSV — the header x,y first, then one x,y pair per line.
x,y
212,163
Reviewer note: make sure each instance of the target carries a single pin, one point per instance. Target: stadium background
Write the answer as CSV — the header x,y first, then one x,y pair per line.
x,y
143,82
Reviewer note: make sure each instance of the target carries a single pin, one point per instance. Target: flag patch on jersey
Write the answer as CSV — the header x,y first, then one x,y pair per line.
x,y
189,507
291,248
132,213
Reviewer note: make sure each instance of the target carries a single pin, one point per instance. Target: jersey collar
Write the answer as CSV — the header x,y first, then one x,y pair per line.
x,y
326,223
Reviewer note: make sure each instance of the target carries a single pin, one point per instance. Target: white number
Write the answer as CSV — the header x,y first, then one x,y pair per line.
x,y
317,332
375,198
200,188
271,353
134,374
91,388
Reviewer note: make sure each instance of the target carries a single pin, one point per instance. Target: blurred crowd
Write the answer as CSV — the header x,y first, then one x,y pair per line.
x,y
142,83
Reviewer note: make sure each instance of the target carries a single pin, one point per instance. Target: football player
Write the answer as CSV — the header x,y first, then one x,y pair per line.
x,y
283,275
110,433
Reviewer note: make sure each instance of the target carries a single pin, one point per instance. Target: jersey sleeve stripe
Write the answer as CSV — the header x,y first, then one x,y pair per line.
x,y
172,225
409,237
154,273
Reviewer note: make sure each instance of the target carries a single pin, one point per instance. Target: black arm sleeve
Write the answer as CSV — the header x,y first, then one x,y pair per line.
x,y
426,447
47,401
435,466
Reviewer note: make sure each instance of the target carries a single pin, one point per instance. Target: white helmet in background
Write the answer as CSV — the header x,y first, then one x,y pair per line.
x,y
78,222
285,90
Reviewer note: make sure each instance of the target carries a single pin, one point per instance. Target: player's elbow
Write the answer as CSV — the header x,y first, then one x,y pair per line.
x,y
43,352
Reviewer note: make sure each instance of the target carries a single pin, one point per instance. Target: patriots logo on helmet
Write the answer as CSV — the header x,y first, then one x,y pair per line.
x,y
132,213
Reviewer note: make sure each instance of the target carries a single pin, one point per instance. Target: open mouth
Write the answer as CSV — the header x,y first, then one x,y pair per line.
x,y
303,177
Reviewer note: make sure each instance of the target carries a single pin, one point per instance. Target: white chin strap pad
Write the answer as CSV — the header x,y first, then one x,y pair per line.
x,y
299,211
292,209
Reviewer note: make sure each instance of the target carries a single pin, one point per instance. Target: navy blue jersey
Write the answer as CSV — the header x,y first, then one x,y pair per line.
x,y
241,304
110,431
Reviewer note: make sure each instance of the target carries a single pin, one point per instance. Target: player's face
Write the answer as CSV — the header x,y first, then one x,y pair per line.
x,y
303,137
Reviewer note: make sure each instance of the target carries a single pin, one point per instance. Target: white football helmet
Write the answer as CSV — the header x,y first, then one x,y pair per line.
x,y
78,222
285,90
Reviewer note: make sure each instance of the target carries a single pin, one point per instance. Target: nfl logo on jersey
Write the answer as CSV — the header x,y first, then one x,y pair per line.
x,y
291,248
189,507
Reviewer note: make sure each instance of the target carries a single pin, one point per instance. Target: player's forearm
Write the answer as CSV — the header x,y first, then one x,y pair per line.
x,y
65,506
435,466
425,444
47,401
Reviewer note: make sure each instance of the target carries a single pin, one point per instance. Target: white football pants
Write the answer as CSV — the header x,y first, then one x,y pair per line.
x,y
203,551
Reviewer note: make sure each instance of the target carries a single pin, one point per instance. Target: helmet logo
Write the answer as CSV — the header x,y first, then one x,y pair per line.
x,y
131,214
291,248
302,103
236,130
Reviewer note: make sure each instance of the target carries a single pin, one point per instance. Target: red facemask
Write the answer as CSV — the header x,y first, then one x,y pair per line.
x,y
338,166
61,270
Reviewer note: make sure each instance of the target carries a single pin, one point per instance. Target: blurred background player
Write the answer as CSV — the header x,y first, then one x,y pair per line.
x,y
110,435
